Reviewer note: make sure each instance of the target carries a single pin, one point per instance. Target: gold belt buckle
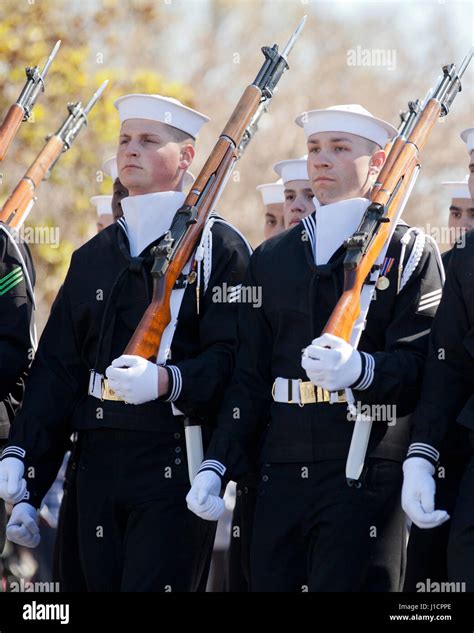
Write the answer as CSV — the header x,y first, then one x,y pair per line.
x,y
342,397
108,393
307,393
323,395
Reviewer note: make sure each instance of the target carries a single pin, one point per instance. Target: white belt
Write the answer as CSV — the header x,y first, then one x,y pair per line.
x,y
297,391
99,388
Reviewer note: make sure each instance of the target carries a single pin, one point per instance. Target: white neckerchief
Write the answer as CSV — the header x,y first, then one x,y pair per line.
x,y
335,223
148,216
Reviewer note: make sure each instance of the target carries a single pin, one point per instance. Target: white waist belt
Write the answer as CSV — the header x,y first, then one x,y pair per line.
x,y
297,391
99,388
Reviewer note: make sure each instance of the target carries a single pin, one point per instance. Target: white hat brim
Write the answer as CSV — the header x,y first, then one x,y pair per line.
x,y
162,109
103,204
457,189
294,169
272,192
467,136
369,127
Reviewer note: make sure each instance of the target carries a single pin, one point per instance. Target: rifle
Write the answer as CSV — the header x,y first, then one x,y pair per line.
x,y
22,109
18,205
178,244
176,247
387,201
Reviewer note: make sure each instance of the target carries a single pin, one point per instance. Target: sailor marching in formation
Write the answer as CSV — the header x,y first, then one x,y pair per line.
x,y
266,386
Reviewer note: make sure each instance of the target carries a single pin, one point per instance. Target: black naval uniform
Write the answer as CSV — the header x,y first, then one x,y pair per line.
x,y
66,564
448,401
66,567
17,279
311,530
427,548
135,531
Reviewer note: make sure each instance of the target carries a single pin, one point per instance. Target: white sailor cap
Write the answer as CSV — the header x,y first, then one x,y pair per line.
x,y
163,109
467,136
110,167
272,192
294,169
103,204
459,189
352,118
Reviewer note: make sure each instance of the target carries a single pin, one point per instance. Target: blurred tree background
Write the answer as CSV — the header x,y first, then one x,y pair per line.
x,y
205,52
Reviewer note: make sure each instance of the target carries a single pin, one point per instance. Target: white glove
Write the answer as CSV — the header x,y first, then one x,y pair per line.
x,y
133,378
12,484
22,528
332,369
203,499
418,493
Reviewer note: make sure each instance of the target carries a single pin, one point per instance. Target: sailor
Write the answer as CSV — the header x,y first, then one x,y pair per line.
x,y
427,549
298,194
461,213
17,339
272,198
311,530
135,532
103,205
447,401
467,136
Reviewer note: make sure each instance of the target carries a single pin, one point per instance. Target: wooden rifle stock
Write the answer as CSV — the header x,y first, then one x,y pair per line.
x,y
18,203
9,128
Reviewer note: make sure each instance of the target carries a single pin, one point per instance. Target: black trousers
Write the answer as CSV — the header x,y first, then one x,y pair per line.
x,y
67,568
241,534
461,535
427,549
312,532
135,531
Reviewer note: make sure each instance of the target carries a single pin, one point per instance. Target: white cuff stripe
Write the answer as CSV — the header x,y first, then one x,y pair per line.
x,y
177,383
368,376
431,295
424,449
13,450
173,384
212,464
425,306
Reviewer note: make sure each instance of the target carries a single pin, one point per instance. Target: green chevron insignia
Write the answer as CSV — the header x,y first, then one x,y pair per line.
x,y
11,280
